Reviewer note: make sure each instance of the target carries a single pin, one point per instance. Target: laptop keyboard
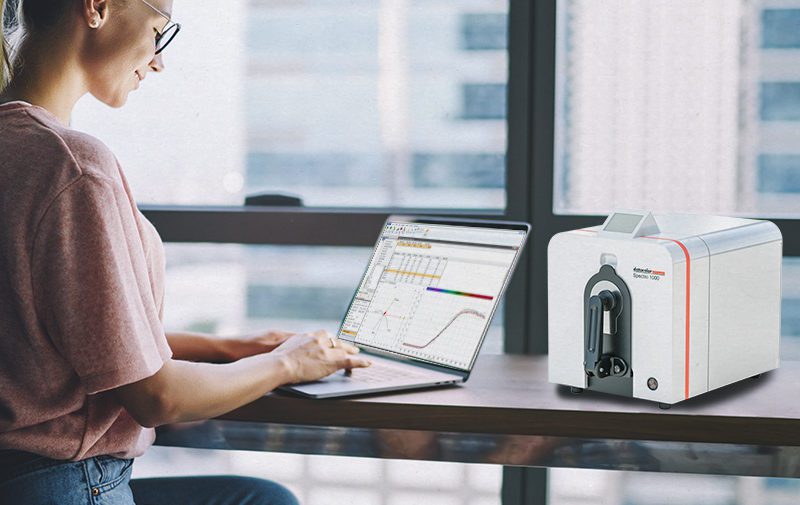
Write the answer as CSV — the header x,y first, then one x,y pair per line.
x,y
380,372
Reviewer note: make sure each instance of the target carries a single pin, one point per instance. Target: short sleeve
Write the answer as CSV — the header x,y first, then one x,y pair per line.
x,y
91,286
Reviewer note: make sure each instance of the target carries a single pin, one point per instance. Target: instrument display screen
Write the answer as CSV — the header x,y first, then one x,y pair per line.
x,y
623,223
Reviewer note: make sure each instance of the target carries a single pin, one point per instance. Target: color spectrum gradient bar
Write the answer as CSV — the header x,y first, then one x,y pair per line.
x,y
461,293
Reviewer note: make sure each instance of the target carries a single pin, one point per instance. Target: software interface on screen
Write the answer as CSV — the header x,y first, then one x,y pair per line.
x,y
430,290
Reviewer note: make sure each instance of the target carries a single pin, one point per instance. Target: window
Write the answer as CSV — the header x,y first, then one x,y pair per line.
x,y
318,480
779,173
328,103
677,107
790,310
780,28
484,32
780,101
484,101
235,289
632,488
461,170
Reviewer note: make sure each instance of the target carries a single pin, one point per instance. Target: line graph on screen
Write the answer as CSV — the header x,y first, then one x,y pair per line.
x,y
462,313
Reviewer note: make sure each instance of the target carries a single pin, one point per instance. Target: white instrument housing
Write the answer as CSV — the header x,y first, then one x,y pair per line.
x,y
704,303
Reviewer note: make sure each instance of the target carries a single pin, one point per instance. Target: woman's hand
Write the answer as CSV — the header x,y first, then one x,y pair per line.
x,y
312,356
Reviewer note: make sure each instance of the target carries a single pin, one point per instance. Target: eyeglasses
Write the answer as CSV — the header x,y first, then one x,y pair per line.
x,y
169,31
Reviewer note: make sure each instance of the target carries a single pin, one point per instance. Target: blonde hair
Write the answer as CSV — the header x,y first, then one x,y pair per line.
x,y
10,37
30,15
5,61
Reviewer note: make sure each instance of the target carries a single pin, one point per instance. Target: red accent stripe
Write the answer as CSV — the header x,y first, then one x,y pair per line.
x,y
688,307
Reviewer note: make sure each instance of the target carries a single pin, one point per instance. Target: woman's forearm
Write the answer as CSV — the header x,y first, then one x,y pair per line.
x,y
203,391
188,346
183,391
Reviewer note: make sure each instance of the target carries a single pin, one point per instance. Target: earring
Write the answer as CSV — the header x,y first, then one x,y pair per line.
x,y
94,23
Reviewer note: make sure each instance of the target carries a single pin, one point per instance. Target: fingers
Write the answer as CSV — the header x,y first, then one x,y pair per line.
x,y
346,351
351,363
325,339
320,354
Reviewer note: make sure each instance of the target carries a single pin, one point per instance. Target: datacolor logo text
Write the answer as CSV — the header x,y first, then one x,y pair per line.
x,y
648,273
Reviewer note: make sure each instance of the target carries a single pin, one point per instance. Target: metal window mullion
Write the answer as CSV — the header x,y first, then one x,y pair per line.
x,y
282,225
525,485
541,137
528,90
790,229
518,197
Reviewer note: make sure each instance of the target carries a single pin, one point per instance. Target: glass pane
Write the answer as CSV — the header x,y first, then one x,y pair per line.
x,y
357,103
235,289
678,106
585,487
318,480
790,310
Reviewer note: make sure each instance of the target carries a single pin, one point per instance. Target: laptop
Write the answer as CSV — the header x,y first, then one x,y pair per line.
x,y
424,304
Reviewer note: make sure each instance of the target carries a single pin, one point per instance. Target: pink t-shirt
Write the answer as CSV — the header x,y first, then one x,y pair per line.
x,y
81,292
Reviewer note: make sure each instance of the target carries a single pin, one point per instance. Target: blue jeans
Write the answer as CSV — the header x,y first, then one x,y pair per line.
x,y
104,480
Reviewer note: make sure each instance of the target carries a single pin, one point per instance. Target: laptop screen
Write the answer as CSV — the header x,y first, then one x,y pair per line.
x,y
431,289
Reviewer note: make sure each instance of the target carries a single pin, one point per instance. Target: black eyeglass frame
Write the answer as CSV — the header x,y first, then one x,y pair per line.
x,y
169,33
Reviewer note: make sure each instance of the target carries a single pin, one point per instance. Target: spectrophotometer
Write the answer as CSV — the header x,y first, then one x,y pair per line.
x,y
663,307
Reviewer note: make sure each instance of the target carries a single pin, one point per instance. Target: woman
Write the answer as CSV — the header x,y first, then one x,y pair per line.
x,y
86,369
